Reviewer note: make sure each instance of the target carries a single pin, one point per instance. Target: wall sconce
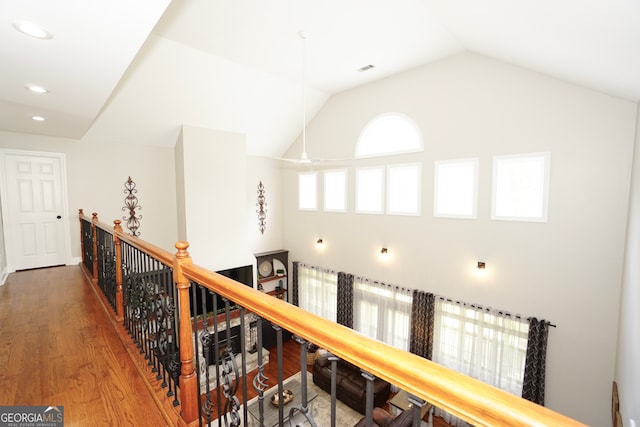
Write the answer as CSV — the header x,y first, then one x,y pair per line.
x,y
320,243
384,251
384,254
481,265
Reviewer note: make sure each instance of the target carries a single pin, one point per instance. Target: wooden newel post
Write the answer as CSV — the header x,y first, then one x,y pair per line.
x,y
188,380
118,249
80,215
94,239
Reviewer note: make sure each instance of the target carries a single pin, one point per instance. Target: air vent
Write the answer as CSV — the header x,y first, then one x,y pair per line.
x,y
365,68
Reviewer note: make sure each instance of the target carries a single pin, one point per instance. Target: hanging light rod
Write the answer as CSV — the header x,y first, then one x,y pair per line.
x,y
304,158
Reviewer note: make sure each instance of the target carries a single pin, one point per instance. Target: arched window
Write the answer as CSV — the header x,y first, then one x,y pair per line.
x,y
387,134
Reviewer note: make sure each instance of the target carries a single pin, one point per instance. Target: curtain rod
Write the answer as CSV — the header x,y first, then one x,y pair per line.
x,y
501,312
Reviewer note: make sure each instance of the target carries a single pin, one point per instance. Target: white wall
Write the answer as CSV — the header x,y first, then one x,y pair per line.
x,y
96,175
627,367
3,255
214,191
268,171
567,271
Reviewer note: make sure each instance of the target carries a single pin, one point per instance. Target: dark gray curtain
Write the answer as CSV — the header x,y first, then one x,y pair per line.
x,y
345,299
294,283
422,314
535,362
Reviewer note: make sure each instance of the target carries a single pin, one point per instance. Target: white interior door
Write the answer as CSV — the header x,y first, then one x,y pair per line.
x,y
34,202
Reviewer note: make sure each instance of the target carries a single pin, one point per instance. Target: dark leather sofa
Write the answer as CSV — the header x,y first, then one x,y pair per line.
x,y
351,386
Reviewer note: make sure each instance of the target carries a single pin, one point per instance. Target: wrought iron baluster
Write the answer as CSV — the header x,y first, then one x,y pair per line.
x,y
243,352
278,330
416,407
303,408
369,397
260,380
334,380
230,375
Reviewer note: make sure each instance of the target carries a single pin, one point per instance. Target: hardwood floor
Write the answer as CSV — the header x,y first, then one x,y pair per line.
x,y
58,347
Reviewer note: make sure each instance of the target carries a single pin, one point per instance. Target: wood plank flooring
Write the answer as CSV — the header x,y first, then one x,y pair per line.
x,y
58,347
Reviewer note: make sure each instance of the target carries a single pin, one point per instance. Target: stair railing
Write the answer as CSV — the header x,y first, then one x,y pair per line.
x,y
462,396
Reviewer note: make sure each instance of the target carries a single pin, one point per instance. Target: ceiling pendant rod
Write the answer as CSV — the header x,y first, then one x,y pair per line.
x,y
303,36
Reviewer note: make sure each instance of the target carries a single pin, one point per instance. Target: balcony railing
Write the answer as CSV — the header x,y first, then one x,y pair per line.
x,y
172,312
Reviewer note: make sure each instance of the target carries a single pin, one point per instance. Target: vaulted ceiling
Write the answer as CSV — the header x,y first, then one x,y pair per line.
x,y
135,72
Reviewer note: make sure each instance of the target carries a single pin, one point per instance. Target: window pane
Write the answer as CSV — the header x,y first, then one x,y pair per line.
x,y
456,187
318,290
369,185
476,342
391,133
307,191
403,191
521,187
335,190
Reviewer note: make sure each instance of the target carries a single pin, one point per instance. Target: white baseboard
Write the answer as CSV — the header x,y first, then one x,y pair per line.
x,y
75,260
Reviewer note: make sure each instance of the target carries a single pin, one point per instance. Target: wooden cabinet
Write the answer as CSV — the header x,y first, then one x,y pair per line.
x,y
274,280
272,273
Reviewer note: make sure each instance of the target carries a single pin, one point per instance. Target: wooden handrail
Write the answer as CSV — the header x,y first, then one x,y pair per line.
x,y
460,395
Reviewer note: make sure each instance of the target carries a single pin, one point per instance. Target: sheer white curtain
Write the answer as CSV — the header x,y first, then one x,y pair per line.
x,y
484,344
382,312
318,290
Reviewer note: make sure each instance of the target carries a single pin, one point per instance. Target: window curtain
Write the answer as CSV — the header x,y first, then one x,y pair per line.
x,y
294,283
345,300
482,343
535,364
317,290
382,312
422,318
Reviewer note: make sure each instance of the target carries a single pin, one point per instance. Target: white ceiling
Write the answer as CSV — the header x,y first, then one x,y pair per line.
x,y
236,65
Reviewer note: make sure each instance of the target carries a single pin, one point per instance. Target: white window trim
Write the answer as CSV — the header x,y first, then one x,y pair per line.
x,y
418,167
498,162
382,189
315,175
475,163
326,188
407,119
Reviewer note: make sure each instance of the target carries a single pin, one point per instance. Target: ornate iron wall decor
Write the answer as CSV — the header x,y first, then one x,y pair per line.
x,y
131,205
262,211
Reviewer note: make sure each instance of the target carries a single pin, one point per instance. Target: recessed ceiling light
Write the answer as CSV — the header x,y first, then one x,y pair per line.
x,y
36,89
37,118
32,29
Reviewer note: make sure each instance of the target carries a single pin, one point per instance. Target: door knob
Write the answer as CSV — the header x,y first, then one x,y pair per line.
x,y
58,217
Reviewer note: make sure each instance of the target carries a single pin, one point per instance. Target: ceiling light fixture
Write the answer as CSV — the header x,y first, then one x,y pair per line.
x,y
38,118
304,158
32,29
36,89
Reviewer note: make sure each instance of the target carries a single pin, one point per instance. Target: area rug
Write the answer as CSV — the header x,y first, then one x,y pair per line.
x,y
320,408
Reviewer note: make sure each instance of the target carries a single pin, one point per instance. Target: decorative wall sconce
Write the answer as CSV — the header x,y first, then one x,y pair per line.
x,y
131,205
384,251
481,265
384,254
320,243
262,211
